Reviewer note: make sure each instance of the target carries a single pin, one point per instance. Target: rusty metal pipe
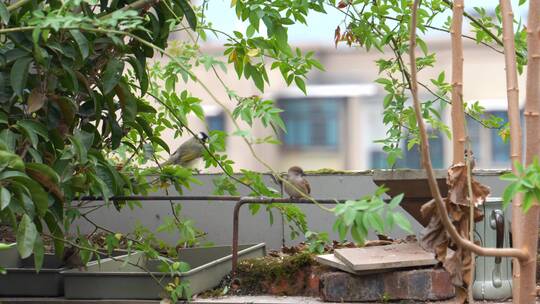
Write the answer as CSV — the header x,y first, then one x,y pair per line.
x,y
263,200
163,198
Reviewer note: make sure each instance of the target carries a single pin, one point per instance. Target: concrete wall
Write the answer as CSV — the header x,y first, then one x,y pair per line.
x,y
216,217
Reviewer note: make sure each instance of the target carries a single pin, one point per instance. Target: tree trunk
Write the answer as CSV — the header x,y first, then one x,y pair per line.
x,y
525,224
458,115
516,154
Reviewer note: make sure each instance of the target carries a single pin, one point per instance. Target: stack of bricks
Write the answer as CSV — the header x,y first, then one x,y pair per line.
x,y
420,284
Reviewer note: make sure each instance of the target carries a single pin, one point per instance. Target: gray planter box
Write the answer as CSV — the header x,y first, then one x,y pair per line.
x,y
23,280
114,279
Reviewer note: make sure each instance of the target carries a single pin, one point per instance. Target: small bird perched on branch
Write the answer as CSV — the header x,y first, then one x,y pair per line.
x,y
295,176
189,152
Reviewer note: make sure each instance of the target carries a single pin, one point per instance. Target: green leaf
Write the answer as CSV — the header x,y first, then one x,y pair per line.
x,y
509,193
39,197
375,221
348,217
26,236
5,198
19,74
396,200
402,222
44,170
82,43
189,13
161,143
112,74
280,33
4,13
357,235
300,84
56,232
10,160
31,130
39,253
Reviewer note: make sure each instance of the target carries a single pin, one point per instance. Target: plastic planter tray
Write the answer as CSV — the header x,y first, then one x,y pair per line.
x,y
23,280
115,279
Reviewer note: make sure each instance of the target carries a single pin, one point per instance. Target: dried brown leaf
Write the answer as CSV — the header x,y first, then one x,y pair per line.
x,y
458,191
337,35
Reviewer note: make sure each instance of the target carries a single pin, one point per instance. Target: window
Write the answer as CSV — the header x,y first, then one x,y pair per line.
x,y
216,122
311,122
412,158
474,130
489,148
378,160
500,151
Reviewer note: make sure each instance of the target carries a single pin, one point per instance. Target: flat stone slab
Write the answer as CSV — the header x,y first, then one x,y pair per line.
x,y
385,257
332,261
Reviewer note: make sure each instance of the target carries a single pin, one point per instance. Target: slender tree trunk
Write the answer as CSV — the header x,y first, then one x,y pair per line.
x,y
526,230
459,136
516,154
458,115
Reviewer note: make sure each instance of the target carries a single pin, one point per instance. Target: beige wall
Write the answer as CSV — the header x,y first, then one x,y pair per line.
x,y
483,79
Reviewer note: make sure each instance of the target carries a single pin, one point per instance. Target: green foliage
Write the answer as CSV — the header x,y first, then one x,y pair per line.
x,y
82,110
369,213
385,23
526,182
316,241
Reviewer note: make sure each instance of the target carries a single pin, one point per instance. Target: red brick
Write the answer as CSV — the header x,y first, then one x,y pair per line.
x,y
441,285
421,284
312,285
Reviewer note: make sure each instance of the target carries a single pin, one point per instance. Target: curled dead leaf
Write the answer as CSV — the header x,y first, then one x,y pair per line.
x,y
458,191
337,35
343,4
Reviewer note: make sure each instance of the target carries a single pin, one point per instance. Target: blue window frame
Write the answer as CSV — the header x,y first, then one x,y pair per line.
x,y
500,151
378,160
216,122
412,158
312,122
